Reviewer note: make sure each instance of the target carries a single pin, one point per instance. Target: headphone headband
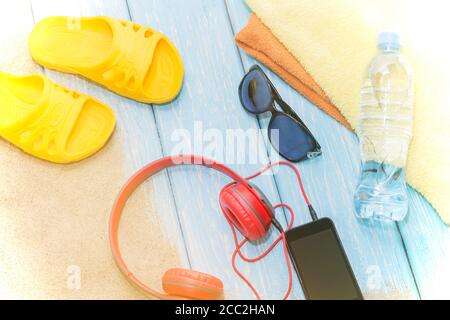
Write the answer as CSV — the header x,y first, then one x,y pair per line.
x,y
134,182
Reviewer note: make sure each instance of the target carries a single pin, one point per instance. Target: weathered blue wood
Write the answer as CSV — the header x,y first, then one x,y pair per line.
x,y
201,31
375,250
136,126
14,55
427,241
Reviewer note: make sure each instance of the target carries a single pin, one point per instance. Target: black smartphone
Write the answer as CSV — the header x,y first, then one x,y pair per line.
x,y
321,263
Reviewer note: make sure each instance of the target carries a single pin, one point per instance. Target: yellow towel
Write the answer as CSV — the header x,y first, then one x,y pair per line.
x,y
336,40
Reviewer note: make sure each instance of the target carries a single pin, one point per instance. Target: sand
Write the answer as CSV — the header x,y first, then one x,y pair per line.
x,y
53,222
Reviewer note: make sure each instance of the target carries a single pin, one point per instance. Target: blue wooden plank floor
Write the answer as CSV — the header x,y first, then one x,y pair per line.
x,y
409,260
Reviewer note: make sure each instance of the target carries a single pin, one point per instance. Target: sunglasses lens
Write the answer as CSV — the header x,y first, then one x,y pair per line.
x,y
255,93
289,138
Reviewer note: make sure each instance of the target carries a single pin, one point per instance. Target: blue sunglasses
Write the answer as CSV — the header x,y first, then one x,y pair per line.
x,y
258,95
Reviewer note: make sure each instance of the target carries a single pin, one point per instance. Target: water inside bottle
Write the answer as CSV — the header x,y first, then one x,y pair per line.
x,y
385,131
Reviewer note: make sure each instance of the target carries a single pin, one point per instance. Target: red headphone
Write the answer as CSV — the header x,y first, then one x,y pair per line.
x,y
244,206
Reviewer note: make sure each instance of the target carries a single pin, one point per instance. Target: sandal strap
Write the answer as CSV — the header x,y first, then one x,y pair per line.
x,y
49,131
8,98
132,55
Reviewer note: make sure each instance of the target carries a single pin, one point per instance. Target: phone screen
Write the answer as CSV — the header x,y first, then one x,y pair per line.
x,y
321,262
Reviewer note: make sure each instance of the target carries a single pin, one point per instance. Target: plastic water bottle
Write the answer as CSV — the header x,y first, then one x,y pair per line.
x,y
385,131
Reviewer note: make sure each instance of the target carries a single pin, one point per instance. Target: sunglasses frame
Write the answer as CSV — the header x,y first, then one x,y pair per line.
x,y
286,111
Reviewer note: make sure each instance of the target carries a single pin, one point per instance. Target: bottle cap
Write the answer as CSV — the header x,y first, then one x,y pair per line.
x,y
389,40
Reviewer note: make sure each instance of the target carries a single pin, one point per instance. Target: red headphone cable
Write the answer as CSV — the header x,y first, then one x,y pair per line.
x,y
239,246
277,225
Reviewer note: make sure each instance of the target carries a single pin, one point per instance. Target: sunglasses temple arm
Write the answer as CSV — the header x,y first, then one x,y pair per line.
x,y
286,108
275,93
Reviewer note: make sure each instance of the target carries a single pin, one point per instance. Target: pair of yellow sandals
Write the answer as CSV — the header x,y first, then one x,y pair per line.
x,y
63,126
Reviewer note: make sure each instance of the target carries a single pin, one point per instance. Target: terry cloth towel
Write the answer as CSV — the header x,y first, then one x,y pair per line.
x,y
336,40
258,41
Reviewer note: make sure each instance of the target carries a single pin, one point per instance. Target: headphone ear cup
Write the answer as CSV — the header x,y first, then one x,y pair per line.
x,y
191,284
246,210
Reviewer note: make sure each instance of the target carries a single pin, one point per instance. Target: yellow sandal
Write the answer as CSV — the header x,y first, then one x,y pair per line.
x,y
51,122
129,59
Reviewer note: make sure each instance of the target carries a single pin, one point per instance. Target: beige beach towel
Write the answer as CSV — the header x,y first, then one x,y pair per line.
x,y
336,40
